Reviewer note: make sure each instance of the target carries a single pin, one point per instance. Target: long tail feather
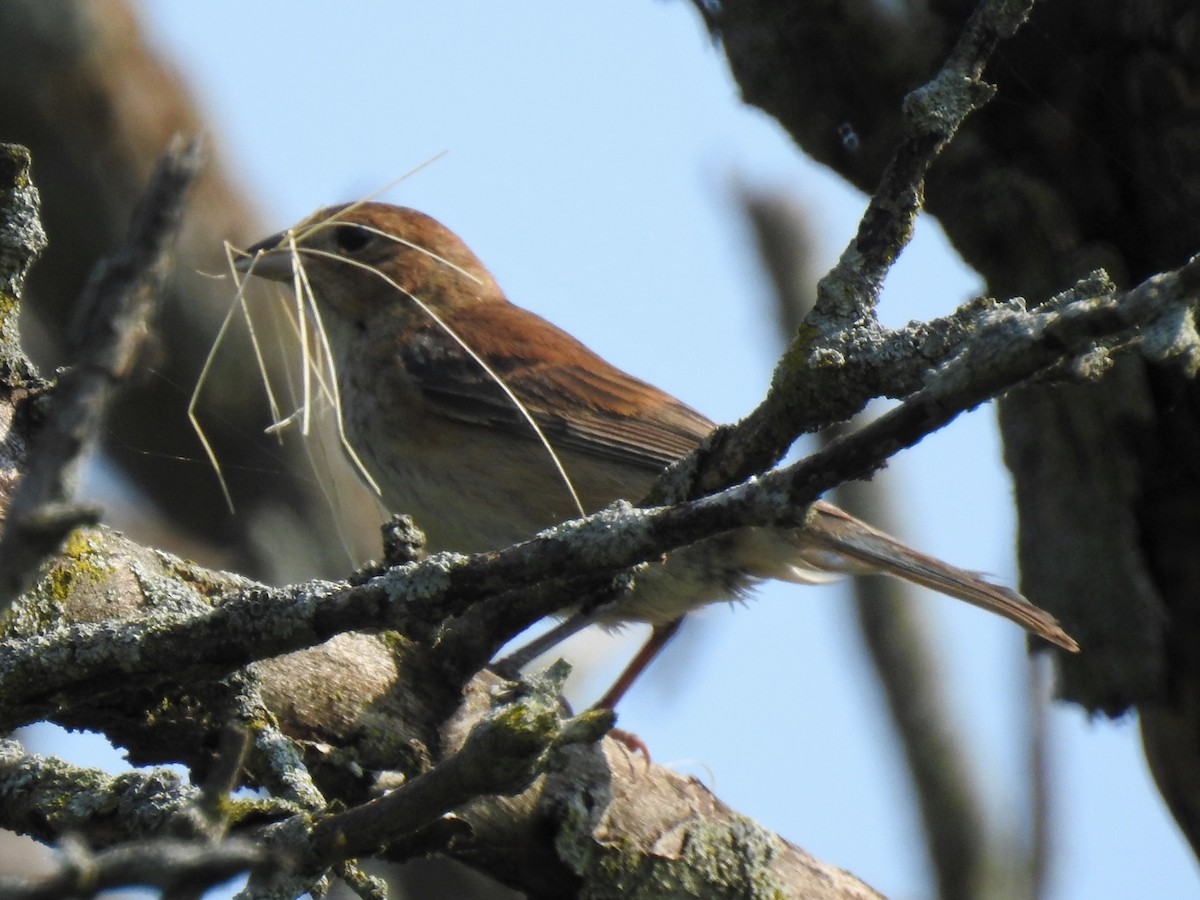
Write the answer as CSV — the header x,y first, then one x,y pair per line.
x,y
844,543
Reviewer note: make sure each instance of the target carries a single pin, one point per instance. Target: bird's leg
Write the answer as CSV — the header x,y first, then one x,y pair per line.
x,y
646,655
524,655
653,646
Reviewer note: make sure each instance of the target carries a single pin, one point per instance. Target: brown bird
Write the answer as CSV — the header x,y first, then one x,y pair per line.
x,y
442,381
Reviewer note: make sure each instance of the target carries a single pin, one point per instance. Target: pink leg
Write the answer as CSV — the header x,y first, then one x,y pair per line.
x,y
653,646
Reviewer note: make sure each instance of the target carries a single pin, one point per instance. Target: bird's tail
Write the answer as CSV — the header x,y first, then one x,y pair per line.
x,y
833,540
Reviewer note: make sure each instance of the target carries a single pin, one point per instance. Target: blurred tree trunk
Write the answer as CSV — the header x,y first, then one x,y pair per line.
x,y
96,106
1090,157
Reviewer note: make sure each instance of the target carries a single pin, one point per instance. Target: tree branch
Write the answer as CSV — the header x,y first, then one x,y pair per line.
x,y
807,392
1073,334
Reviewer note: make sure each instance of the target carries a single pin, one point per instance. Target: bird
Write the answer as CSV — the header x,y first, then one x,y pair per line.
x,y
487,424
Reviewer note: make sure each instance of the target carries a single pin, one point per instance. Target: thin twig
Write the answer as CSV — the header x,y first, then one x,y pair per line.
x,y
502,754
173,866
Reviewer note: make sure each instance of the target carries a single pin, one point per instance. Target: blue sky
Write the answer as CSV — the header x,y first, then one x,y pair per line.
x,y
592,155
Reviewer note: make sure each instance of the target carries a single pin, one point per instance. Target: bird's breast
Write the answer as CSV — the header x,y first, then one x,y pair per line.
x,y
470,487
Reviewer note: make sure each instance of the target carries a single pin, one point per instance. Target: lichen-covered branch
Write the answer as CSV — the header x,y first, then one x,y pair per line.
x,y
225,628
810,389
186,625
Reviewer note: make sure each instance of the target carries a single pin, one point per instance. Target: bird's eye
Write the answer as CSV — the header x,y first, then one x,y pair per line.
x,y
351,238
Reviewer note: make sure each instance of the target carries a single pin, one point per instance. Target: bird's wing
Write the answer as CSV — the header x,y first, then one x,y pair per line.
x,y
579,401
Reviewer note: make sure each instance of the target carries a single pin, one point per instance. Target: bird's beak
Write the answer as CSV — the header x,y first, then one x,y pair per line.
x,y
270,258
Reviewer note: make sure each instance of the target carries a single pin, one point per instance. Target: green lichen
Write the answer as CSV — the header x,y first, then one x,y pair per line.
x,y
82,564
8,306
235,810
397,643
74,795
210,586
15,367
163,712
795,360
715,859
82,561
